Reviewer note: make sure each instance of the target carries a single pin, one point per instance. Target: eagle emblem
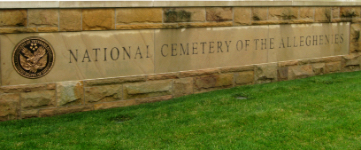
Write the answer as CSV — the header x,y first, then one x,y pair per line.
x,y
33,61
33,57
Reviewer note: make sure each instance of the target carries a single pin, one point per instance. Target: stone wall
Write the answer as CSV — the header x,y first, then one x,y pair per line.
x,y
41,100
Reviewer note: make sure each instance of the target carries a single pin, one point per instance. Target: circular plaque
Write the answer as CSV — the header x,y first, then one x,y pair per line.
x,y
33,57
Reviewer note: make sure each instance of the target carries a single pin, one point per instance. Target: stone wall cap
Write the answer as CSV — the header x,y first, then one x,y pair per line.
x,y
172,3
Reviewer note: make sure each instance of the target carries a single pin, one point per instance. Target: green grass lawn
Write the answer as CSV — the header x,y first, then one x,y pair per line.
x,y
322,112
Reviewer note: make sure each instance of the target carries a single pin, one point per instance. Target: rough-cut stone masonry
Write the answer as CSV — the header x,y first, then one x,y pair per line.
x,y
40,100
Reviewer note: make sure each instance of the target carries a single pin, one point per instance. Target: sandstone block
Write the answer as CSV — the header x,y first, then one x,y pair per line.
x,y
242,15
335,12
205,83
48,29
306,12
69,93
27,88
282,73
29,113
147,89
43,17
37,99
9,106
237,69
219,13
70,19
17,30
193,73
318,68
163,76
332,67
139,15
142,26
204,24
266,73
283,13
352,63
182,87
243,78
98,19
349,13
288,63
323,14
8,110
184,14
259,13
103,93
296,72
13,17
355,40
122,103
118,80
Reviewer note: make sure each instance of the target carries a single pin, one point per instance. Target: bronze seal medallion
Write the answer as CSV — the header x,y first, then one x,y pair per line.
x,y
33,57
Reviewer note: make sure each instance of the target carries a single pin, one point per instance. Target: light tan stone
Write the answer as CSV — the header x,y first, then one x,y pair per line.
x,y
288,63
117,80
259,13
141,26
163,76
48,29
204,24
98,19
76,58
282,73
322,14
296,72
43,17
27,88
37,99
237,69
139,15
17,30
219,13
9,105
296,41
147,89
182,87
209,82
122,103
335,12
104,93
70,19
29,113
193,73
355,40
242,15
190,53
306,12
349,13
283,13
266,73
69,93
194,14
13,17
243,78
332,67
318,68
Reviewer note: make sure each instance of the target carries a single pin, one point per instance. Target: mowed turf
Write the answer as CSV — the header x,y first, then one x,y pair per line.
x,y
322,112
